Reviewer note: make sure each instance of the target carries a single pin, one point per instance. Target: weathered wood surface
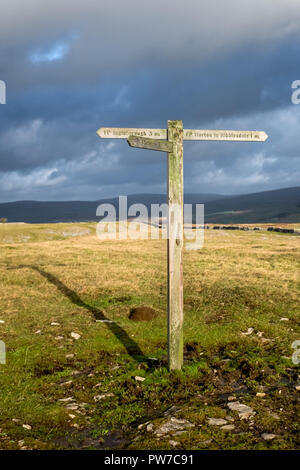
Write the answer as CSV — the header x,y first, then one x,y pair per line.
x,y
125,132
242,136
175,246
150,144
171,141
188,134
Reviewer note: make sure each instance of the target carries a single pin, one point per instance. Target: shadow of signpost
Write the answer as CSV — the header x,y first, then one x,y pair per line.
x,y
130,345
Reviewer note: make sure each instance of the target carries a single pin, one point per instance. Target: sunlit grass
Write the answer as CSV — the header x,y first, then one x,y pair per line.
x,y
58,273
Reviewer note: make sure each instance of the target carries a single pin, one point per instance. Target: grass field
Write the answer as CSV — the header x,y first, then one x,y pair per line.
x,y
241,302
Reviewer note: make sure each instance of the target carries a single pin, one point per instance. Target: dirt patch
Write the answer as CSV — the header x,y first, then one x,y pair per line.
x,y
191,350
42,369
142,314
85,439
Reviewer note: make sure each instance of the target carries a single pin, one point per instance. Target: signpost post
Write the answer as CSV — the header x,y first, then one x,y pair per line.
x,y
170,140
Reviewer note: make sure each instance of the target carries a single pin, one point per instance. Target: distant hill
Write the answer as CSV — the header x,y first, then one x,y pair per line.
x,y
39,212
282,205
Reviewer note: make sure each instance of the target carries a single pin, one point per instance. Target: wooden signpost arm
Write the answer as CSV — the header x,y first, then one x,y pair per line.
x,y
150,144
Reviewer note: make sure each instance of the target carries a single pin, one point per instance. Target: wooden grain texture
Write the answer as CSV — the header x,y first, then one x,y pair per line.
x,y
175,246
155,139
150,144
237,136
188,134
125,132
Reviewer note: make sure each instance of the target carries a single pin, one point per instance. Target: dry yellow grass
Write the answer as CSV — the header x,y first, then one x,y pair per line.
x,y
238,280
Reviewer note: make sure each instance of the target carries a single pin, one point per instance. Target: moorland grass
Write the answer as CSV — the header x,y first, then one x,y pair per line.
x,y
63,274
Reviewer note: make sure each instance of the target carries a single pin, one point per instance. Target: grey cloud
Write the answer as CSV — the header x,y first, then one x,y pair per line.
x,y
213,64
117,35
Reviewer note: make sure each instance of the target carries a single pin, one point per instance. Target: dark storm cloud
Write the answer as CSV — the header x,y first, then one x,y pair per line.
x,y
72,68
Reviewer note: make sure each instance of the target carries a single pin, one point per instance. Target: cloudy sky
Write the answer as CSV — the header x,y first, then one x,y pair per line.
x,y
71,67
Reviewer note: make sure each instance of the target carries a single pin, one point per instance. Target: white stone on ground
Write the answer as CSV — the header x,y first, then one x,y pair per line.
x,y
267,436
216,421
139,379
228,427
174,425
75,335
244,411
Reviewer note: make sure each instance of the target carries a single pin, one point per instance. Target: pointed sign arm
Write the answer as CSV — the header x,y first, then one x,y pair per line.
x,y
125,132
150,144
237,136
188,134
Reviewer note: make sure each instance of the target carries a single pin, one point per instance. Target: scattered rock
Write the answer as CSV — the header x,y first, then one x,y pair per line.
x,y
27,426
54,323
173,443
204,443
260,394
59,338
75,335
72,406
172,411
244,411
139,379
284,319
248,332
2,321
66,400
231,398
216,421
173,425
149,427
140,426
72,416
102,396
142,314
104,321
268,437
16,420
69,356
37,332
66,384
228,427
297,387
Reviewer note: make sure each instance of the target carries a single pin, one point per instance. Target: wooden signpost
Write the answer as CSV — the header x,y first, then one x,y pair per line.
x,y
170,140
